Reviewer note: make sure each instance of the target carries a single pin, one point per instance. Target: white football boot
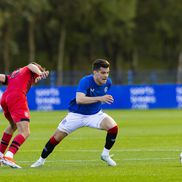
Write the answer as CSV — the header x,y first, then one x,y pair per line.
x,y
108,160
180,157
40,162
10,162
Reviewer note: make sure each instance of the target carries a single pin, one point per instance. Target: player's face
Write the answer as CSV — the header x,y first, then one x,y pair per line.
x,y
101,75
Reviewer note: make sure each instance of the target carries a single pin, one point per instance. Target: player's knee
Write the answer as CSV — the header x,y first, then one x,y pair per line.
x,y
26,134
59,135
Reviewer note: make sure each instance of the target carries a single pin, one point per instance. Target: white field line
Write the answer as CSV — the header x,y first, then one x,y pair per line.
x,y
114,150
86,160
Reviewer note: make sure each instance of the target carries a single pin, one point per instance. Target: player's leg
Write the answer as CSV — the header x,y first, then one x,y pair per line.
x,y
18,140
17,106
111,127
53,141
49,147
7,134
6,137
69,124
105,122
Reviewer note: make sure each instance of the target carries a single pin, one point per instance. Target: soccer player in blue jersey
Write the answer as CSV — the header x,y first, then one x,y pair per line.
x,y
86,110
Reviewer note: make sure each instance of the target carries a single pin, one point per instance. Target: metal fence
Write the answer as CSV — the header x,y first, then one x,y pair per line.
x,y
145,77
123,77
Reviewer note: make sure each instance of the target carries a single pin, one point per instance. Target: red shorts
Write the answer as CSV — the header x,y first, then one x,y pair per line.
x,y
15,106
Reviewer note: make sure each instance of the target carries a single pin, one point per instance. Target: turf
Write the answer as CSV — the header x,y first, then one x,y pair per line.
x,y
147,149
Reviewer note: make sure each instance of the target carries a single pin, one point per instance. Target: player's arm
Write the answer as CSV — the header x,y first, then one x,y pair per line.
x,y
81,98
35,69
3,78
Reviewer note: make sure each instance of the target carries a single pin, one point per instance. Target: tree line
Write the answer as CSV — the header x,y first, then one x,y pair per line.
x,y
69,34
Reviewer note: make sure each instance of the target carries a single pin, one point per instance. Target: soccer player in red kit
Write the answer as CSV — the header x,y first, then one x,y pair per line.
x,y
15,108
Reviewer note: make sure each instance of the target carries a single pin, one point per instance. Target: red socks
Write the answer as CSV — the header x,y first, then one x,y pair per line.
x,y
5,142
111,136
16,143
49,147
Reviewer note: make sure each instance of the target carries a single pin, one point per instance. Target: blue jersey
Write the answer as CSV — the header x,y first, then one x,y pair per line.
x,y
88,86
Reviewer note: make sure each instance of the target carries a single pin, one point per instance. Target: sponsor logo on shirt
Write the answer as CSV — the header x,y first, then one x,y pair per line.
x,y
92,89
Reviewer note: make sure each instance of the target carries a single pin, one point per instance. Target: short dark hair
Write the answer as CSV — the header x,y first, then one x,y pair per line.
x,y
98,63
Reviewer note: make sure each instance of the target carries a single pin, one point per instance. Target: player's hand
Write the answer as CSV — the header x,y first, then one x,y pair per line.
x,y
38,79
107,99
44,74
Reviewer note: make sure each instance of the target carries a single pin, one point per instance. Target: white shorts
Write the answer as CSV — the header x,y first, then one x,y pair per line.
x,y
74,121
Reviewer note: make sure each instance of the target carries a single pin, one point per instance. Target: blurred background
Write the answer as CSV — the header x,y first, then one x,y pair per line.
x,y
142,39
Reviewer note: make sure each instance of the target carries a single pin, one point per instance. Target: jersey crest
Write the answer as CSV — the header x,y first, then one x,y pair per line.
x,y
105,89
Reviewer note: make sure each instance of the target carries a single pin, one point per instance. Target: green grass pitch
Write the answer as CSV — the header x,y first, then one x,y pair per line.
x,y
147,150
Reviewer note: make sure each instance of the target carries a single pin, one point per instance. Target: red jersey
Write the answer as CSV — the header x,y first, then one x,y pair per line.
x,y
14,101
20,80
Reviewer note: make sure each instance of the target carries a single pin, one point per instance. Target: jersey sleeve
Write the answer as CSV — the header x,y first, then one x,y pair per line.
x,y
83,86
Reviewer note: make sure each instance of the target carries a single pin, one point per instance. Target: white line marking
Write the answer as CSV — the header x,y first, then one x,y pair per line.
x,y
150,159
114,150
81,161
